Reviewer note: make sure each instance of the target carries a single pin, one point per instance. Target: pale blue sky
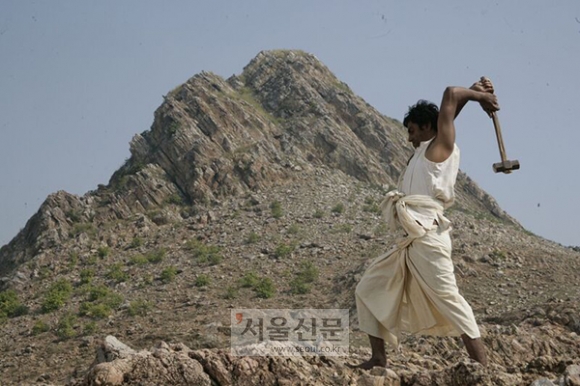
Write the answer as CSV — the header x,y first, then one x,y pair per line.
x,y
79,78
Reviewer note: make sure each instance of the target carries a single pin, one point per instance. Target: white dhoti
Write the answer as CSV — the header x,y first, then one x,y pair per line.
x,y
412,287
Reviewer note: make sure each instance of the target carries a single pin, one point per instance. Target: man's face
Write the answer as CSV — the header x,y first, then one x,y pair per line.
x,y
418,134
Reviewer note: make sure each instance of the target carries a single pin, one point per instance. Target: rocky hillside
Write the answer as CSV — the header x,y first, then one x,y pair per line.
x,y
262,191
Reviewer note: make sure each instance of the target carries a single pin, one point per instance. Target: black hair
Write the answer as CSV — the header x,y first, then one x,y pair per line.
x,y
422,113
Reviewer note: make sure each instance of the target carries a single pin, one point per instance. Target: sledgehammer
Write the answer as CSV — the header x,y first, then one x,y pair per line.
x,y
505,166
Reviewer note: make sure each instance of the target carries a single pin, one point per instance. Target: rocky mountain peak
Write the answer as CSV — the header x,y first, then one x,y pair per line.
x,y
262,191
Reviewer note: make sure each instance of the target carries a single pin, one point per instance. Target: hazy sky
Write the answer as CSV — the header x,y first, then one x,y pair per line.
x,y
79,78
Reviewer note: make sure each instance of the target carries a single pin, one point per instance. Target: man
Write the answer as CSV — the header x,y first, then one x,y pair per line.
x,y
412,287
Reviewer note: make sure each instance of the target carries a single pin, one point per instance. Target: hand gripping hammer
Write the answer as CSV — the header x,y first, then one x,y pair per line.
x,y
505,166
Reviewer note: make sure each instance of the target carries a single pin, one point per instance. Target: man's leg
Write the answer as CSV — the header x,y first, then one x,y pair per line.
x,y
475,349
378,357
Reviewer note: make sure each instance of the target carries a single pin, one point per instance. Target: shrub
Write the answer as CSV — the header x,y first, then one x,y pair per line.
x,y
40,327
294,229
215,259
498,255
138,260
204,253
116,273
73,215
56,296
318,213
253,237
156,256
301,283
342,228
370,205
101,302
276,209
250,279
139,307
175,199
168,274
308,272
95,310
299,287
87,275
265,288
283,250
92,260
136,242
231,292
10,306
103,252
381,229
338,208
73,260
64,328
202,280
90,328
79,228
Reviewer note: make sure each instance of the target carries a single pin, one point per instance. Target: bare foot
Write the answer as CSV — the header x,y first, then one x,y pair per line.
x,y
373,362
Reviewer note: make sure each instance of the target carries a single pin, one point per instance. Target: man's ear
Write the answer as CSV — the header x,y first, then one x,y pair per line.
x,y
426,127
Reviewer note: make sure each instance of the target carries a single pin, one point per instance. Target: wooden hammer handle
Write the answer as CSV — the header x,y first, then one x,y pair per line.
x,y
499,136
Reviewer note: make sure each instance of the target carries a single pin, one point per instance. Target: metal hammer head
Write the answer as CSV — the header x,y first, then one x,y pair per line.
x,y
506,166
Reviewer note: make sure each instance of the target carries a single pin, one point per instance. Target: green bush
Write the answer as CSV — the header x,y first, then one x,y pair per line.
x,y
65,326
10,306
56,296
215,259
103,294
307,274
87,228
40,327
231,293
283,250
136,242
204,253
156,256
249,280
101,302
87,275
318,213
265,288
168,274
139,307
73,260
138,260
342,228
276,209
116,273
95,310
294,229
90,328
202,280
103,252
299,287
338,208
175,199
370,205
253,237
73,215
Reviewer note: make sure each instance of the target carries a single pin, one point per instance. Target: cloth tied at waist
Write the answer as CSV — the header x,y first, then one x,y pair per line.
x,y
411,212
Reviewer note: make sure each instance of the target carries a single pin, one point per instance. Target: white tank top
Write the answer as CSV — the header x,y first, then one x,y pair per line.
x,y
435,179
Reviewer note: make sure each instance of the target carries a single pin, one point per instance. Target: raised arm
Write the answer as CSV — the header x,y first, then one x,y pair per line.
x,y
454,98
